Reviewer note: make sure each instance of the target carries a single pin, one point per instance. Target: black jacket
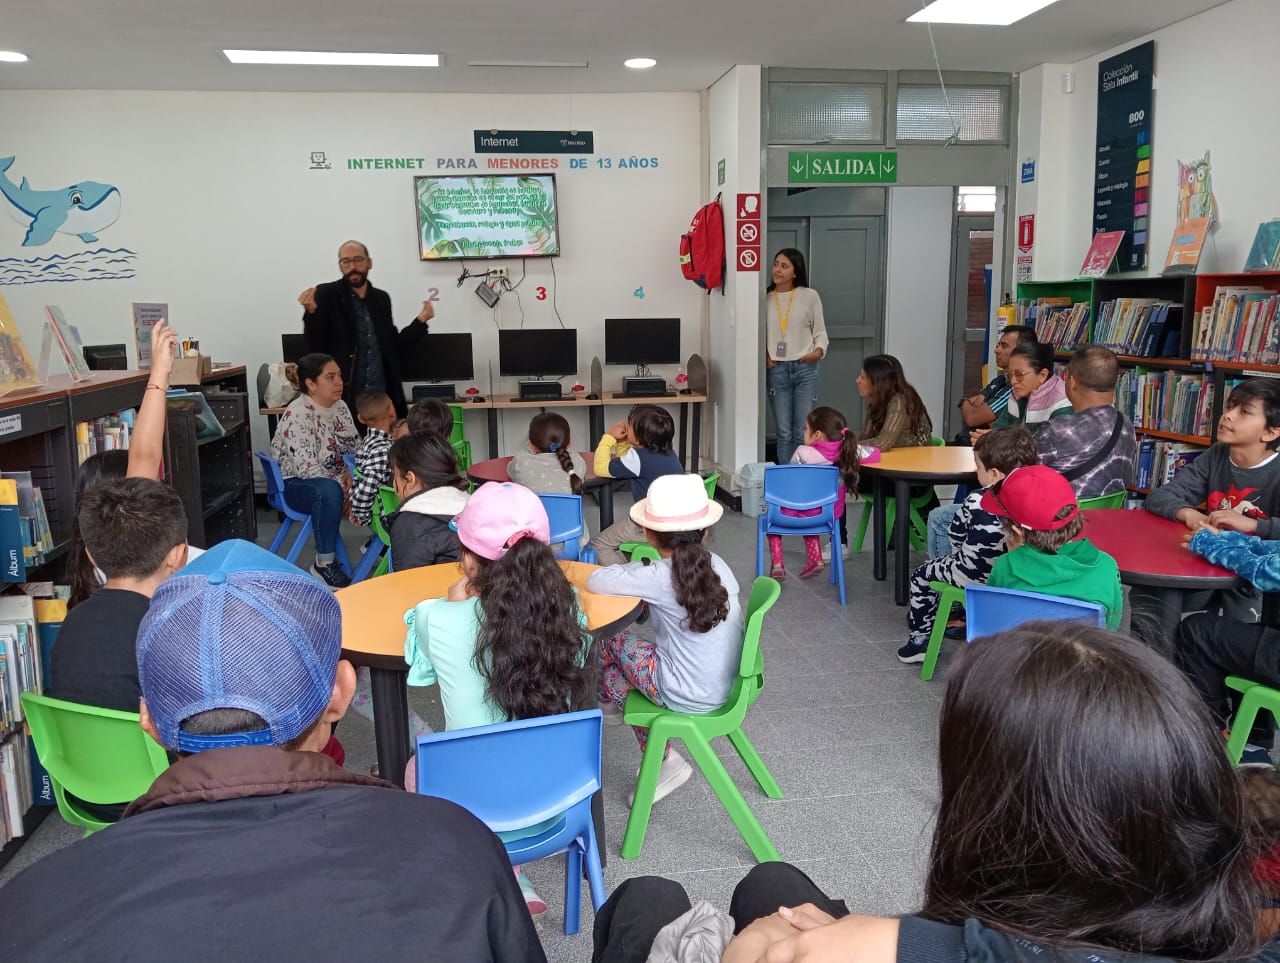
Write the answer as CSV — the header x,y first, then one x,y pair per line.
x,y
419,528
332,330
256,853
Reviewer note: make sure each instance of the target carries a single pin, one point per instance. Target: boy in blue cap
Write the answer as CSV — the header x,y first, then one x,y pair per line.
x,y
233,850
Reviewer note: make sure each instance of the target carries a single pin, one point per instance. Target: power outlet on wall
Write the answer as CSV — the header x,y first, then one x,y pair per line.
x,y
498,272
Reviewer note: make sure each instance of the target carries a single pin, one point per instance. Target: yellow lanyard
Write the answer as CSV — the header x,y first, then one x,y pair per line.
x,y
783,318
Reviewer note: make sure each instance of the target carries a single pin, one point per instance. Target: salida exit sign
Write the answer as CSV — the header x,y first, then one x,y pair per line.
x,y
842,167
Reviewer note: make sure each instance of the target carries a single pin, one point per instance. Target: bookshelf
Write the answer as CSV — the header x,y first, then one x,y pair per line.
x,y
1194,295
214,475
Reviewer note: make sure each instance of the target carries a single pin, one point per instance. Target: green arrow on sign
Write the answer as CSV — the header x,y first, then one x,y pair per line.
x,y
842,167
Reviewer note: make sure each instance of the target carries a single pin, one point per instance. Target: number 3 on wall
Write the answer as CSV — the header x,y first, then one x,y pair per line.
x,y
433,294
541,294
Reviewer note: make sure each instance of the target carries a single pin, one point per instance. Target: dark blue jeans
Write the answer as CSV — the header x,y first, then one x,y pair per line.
x,y
322,499
793,393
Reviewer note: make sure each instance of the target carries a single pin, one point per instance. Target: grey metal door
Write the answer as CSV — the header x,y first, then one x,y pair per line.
x,y
967,336
845,256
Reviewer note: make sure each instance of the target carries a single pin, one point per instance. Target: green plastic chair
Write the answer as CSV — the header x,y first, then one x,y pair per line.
x,y
386,503
99,756
697,731
918,530
1114,500
461,447
1253,697
949,596
643,550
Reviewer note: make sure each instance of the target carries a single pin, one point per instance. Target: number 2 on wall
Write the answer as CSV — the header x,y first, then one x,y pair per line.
x,y
433,294
541,294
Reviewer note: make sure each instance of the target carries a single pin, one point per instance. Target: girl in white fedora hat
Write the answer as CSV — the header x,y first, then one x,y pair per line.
x,y
697,618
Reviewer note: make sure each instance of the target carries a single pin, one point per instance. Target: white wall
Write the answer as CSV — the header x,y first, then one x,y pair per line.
x,y
736,365
1215,82
918,292
229,224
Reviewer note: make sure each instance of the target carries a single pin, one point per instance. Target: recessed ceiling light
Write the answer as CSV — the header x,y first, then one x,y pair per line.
x,y
13,57
322,58
995,13
640,63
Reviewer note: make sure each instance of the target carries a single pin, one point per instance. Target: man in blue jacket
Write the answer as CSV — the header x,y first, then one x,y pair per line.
x,y
254,845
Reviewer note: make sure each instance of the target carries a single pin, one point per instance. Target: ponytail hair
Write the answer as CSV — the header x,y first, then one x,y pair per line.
x,y
697,586
530,647
550,432
832,426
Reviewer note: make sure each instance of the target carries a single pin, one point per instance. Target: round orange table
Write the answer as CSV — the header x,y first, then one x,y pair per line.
x,y
932,465
373,633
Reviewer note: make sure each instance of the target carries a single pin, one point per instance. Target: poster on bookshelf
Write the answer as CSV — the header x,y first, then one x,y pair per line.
x,y
146,315
1265,253
1185,246
1122,164
1101,256
16,369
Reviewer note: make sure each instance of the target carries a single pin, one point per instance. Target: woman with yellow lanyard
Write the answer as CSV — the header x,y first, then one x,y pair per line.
x,y
795,341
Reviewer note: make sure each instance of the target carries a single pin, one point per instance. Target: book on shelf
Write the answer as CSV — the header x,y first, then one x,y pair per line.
x,y
1056,320
1239,324
1159,461
1265,253
1141,327
17,371
1102,253
15,785
11,540
1185,246
1172,401
34,531
108,433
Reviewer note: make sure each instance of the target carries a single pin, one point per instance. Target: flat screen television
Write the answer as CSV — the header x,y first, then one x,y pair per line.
x,y
507,215
638,341
531,352
439,357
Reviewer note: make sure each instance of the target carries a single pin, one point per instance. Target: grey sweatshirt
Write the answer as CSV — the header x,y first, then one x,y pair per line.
x,y
1213,482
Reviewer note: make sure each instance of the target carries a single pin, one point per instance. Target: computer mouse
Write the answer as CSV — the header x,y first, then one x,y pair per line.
x,y
477,399
593,397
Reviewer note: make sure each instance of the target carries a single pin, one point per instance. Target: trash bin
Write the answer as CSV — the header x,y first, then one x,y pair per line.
x,y
751,478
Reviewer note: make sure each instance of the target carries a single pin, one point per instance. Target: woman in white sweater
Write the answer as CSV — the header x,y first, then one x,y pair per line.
x,y
795,342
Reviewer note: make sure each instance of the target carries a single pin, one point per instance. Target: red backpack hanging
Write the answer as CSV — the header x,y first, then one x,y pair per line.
x,y
702,247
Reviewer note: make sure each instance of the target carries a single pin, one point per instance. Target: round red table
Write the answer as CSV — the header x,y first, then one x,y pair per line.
x,y
1149,551
495,470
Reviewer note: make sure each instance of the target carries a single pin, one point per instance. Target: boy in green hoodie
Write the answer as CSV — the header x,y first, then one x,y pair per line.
x,y
1042,521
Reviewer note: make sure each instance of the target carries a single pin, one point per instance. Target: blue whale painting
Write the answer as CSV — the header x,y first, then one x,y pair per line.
x,y
82,209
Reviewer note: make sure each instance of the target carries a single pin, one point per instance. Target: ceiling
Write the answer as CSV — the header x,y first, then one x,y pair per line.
x,y
177,44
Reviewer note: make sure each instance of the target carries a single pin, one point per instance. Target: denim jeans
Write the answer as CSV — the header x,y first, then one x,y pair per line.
x,y
793,393
939,522
321,498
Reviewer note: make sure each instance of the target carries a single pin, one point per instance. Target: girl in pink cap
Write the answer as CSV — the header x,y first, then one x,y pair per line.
x,y
508,641
697,619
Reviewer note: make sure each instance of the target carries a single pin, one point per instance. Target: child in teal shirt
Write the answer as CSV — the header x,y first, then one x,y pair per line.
x,y
1042,525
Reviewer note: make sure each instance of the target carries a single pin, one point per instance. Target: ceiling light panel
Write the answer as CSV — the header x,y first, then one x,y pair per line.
x,y
992,13
323,58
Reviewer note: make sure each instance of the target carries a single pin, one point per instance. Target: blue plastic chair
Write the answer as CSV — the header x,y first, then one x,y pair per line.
x,y
275,498
517,775
989,610
350,462
568,525
801,487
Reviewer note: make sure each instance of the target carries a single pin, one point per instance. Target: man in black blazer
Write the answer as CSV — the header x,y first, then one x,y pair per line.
x,y
351,320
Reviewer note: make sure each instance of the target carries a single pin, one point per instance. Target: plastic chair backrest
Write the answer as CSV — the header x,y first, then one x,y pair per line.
x,y
456,434
710,482
801,488
1114,500
764,592
97,755
938,441
275,482
514,774
989,610
386,503
568,525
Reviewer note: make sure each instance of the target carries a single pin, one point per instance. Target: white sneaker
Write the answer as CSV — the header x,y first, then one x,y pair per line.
x,y
675,772
826,551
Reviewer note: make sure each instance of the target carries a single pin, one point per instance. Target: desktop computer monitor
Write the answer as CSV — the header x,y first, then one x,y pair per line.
x,y
439,357
533,352
292,347
641,341
106,357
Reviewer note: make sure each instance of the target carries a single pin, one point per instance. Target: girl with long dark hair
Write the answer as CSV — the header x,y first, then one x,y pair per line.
x,y
795,342
896,417
549,465
424,471
508,640
697,620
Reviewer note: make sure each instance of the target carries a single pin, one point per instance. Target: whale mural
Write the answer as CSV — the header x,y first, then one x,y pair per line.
x,y
82,209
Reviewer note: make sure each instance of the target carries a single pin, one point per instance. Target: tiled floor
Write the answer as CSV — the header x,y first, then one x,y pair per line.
x,y
849,733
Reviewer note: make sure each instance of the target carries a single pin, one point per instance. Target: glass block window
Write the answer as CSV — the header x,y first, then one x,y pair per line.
x,y
813,113
980,113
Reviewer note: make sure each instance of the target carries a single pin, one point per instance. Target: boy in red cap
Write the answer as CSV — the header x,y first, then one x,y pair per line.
x,y
1042,523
